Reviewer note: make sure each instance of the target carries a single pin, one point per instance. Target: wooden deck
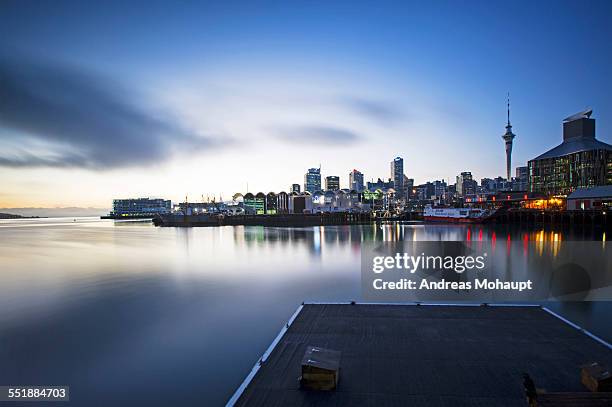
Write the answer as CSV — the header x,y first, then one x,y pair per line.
x,y
399,355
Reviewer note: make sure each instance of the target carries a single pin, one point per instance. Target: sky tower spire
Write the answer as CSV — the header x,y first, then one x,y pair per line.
x,y
508,137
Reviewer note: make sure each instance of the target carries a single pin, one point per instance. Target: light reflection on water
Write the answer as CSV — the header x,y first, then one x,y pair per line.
x,y
126,313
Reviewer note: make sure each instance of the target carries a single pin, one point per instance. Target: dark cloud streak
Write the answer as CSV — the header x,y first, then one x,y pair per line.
x,y
317,134
382,112
85,121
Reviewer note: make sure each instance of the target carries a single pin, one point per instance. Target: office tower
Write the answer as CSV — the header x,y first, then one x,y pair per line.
x,y
295,188
332,183
312,180
356,181
397,175
465,184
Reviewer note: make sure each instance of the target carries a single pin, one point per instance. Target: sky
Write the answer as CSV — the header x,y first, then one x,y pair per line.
x,y
121,99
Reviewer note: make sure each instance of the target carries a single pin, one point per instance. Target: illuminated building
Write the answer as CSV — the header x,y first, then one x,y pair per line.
x,y
380,184
140,207
312,180
255,204
598,198
580,161
332,183
271,203
465,184
508,137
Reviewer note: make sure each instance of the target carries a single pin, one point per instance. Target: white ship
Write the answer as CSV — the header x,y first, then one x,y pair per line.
x,y
458,215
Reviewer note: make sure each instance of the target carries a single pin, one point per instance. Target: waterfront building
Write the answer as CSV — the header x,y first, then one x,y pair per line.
x,y
332,183
140,207
374,198
260,203
271,207
248,203
356,181
508,137
190,208
597,198
295,188
312,180
283,202
397,175
580,161
255,204
300,203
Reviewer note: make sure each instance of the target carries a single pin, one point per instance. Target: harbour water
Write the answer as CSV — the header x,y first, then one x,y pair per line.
x,y
129,314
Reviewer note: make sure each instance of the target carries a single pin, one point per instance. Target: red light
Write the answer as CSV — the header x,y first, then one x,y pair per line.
x,y
525,197
493,199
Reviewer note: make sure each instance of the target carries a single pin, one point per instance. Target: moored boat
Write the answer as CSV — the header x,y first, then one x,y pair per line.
x,y
458,215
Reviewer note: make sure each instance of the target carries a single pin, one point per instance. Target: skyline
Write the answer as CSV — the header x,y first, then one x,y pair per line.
x,y
204,99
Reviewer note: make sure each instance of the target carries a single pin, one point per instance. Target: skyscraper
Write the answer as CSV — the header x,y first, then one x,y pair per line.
x,y
356,181
508,137
465,184
312,180
408,187
397,175
295,188
332,183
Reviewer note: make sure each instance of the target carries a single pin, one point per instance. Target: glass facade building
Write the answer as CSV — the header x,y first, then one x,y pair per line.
x,y
312,180
397,175
356,181
580,161
140,207
332,183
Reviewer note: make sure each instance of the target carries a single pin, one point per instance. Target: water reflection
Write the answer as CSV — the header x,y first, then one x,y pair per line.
x,y
148,313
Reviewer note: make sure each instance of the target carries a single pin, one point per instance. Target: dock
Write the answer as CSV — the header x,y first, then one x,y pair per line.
x,y
278,220
424,355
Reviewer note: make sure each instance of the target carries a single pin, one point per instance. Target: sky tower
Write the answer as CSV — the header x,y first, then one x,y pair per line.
x,y
508,137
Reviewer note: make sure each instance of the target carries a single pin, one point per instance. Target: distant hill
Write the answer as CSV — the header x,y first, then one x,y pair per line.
x,y
9,216
15,213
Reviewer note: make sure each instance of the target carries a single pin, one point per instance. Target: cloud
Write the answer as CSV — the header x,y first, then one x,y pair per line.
x,y
317,134
382,112
61,116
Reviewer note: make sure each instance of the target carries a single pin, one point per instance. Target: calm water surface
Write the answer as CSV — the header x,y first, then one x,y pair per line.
x,y
129,314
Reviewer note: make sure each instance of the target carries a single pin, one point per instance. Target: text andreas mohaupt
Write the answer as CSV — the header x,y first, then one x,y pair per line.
x,y
458,264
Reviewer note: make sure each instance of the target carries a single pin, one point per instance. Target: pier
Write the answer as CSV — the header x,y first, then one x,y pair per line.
x,y
279,220
585,218
425,355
